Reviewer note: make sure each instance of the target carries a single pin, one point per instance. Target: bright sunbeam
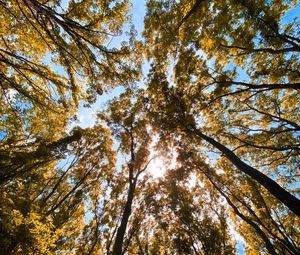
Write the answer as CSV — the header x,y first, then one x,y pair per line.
x,y
156,167
159,163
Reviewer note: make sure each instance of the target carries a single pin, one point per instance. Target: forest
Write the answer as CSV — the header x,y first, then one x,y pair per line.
x,y
194,141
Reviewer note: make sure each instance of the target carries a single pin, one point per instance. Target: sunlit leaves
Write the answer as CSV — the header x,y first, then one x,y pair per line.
x,y
220,100
234,79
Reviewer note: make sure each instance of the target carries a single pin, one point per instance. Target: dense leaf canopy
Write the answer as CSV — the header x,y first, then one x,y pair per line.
x,y
218,113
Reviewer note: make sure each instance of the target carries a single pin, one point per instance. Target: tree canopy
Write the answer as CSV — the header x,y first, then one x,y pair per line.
x,y
217,113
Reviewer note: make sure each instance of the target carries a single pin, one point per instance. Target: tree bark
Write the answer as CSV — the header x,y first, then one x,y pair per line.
x,y
117,249
273,187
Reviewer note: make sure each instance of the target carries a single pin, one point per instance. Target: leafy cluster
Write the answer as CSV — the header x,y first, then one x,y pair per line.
x,y
221,99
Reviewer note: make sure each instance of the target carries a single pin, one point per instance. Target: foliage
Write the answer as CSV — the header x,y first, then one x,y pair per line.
x,y
221,99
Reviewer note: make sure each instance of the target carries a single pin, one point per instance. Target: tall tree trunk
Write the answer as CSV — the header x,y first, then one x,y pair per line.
x,y
276,190
117,249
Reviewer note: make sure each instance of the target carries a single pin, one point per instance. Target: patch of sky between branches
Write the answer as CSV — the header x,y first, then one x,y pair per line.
x,y
87,116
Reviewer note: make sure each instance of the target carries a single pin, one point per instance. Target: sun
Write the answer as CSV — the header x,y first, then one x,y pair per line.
x,y
157,167
160,164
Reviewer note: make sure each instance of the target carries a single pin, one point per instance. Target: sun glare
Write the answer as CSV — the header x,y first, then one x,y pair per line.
x,y
157,167
159,163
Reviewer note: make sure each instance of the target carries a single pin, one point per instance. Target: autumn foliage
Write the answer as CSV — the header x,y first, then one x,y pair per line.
x,y
218,110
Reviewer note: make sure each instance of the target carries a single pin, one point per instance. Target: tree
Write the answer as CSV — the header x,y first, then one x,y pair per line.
x,y
52,56
219,111
130,128
193,214
74,35
46,207
197,108
258,212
